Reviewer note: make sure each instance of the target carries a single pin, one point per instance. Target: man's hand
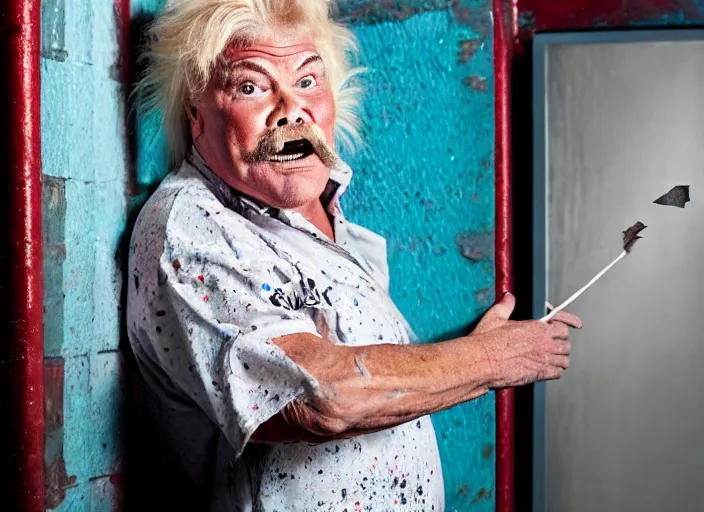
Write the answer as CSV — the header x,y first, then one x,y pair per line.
x,y
520,353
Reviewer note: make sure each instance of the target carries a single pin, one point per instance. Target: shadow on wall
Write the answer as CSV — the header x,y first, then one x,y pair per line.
x,y
147,165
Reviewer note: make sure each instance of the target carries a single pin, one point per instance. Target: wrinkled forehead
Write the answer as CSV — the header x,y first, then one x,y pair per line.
x,y
286,45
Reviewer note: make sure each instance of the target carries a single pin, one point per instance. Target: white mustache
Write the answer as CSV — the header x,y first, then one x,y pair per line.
x,y
273,143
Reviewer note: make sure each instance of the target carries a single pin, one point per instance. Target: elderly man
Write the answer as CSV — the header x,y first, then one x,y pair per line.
x,y
278,371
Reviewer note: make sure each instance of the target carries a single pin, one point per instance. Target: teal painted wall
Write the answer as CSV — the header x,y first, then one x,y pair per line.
x,y
424,180
84,164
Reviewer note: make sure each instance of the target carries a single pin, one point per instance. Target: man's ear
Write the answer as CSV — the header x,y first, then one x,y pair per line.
x,y
195,120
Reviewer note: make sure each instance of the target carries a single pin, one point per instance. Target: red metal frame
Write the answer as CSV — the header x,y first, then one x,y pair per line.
x,y
549,15
505,435
21,318
515,23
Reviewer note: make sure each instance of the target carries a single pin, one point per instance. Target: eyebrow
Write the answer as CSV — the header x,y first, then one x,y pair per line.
x,y
309,60
246,64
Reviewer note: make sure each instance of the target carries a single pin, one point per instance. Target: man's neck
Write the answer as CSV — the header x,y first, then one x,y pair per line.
x,y
316,214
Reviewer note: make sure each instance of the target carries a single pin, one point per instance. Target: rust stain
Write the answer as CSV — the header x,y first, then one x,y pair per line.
x,y
480,20
482,495
484,297
477,83
488,451
56,479
468,48
476,246
462,13
53,394
372,12
118,485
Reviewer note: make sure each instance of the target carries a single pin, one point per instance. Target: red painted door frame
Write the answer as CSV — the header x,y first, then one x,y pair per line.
x,y
515,23
505,399
21,279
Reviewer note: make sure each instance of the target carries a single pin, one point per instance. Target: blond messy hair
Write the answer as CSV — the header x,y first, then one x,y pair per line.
x,y
187,39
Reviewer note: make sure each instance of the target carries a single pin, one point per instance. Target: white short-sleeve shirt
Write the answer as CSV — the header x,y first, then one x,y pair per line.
x,y
215,277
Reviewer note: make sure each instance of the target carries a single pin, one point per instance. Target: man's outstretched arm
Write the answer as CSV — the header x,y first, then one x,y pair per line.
x,y
370,388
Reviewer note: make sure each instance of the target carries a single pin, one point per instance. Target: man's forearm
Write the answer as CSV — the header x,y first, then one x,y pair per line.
x,y
369,388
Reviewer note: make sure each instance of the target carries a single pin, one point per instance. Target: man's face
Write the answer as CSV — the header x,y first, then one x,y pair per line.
x,y
278,86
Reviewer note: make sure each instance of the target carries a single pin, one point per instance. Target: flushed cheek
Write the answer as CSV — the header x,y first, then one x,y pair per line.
x,y
245,125
323,109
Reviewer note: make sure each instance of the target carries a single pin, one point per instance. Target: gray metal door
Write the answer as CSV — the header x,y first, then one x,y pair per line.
x,y
620,120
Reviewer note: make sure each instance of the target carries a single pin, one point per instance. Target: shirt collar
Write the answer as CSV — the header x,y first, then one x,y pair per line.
x,y
340,177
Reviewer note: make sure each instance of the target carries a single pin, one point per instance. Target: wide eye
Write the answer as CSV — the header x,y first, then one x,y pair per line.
x,y
248,88
307,82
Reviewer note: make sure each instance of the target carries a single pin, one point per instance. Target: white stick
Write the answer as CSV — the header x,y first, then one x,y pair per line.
x,y
579,292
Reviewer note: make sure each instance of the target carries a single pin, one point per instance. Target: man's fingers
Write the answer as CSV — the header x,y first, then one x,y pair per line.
x,y
559,331
555,348
568,319
551,373
562,348
504,307
560,361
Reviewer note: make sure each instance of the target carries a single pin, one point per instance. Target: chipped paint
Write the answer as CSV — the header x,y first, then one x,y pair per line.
x,y
485,297
371,12
482,496
53,30
468,48
476,246
477,83
474,14
107,494
53,227
488,451
57,479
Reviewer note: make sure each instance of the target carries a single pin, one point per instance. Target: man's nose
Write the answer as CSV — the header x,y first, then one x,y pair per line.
x,y
289,111
283,121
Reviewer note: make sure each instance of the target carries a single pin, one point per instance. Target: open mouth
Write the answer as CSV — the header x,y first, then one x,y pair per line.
x,y
292,151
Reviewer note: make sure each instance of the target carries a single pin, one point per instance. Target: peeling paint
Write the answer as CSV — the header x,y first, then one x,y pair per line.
x,y
468,48
526,21
488,451
53,227
477,83
107,494
371,12
56,477
53,45
476,246
57,482
482,495
485,297
476,14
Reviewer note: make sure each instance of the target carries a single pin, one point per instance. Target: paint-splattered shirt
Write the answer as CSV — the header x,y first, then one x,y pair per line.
x,y
214,277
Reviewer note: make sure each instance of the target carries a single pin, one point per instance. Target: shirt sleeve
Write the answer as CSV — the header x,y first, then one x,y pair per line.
x,y
211,319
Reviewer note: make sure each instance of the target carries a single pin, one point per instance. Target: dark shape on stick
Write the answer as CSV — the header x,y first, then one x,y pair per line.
x,y
678,196
630,236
